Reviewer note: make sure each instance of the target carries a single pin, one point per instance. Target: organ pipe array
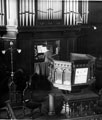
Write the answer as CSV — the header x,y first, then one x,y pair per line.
x,y
49,9
52,10
71,12
29,11
26,12
85,11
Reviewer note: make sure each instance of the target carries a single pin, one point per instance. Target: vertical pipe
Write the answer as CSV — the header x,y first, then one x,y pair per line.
x,y
0,13
61,6
23,12
86,11
77,12
18,13
53,3
64,12
31,15
47,9
58,9
11,12
82,12
20,8
26,12
57,14
74,12
51,9
33,12
44,9
38,2
5,15
8,11
30,12
54,9
68,14
67,17
41,9
71,7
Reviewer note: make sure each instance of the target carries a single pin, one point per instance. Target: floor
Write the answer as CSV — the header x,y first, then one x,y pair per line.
x,y
19,114
18,111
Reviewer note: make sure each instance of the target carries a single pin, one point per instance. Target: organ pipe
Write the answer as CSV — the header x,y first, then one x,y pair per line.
x,y
52,10
33,13
71,12
27,12
0,13
46,10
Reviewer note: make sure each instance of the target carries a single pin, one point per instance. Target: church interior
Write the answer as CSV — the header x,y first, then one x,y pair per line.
x,y
51,59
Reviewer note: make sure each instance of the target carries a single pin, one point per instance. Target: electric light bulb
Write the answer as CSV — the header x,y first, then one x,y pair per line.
x,y
19,50
11,43
3,51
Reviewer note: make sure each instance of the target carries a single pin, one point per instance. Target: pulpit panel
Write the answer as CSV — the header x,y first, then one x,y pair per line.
x,y
61,74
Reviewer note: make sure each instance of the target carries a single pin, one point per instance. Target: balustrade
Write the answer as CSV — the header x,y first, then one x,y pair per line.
x,y
81,104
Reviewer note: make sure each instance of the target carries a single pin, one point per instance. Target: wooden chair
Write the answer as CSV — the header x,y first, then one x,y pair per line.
x,y
28,102
8,109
